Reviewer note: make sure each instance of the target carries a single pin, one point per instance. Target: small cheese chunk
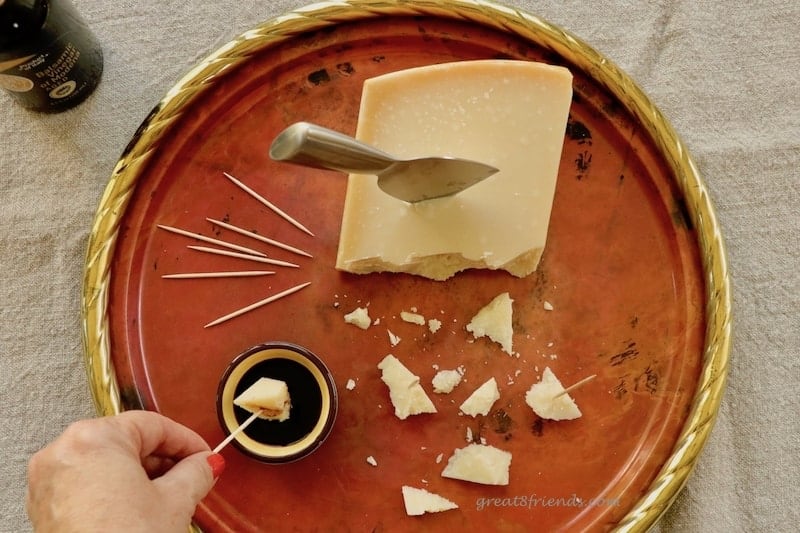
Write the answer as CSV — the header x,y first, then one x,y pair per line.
x,y
413,318
445,381
481,401
542,399
358,317
479,463
506,113
495,321
271,395
407,395
434,325
420,501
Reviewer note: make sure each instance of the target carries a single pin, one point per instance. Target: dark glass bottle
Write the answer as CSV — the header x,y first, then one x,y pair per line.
x,y
49,59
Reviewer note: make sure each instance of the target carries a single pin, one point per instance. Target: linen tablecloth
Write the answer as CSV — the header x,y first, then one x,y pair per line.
x,y
726,75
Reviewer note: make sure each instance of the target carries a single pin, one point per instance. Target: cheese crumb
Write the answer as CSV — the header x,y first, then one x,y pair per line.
x,y
434,325
371,460
407,395
439,458
351,384
479,463
394,340
359,317
548,306
481,401
413,318
420,501
494,320
542,399
445,381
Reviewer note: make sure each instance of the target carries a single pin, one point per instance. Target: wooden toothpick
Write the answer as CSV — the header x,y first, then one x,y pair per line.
x,y
258,304
267,203
249,257
254,235
236,431
223,274
574,386
211,240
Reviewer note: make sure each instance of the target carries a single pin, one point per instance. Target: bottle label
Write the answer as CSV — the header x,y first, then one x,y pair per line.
x,y
60,74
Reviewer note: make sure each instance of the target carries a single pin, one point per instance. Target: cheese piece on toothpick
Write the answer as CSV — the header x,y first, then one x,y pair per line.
x,y
547,399
494,321
268,395
420,501
505,113
407,395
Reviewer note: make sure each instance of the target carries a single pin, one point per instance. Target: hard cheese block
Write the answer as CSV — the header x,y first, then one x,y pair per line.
x,y
509,114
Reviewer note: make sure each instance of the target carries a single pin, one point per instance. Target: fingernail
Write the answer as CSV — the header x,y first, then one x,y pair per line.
x,y
217,464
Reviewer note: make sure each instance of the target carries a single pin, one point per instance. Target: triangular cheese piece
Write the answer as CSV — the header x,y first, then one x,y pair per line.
x,y
544,399
420,501
479,463
481,401
271,395
494,321
407,395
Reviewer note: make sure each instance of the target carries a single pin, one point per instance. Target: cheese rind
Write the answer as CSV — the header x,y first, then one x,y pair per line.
x,y
509,114
479,463
420,501
271,395
482,399
407,395
494,320
542,399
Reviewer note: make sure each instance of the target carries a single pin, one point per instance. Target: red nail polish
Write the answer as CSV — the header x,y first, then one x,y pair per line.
x,y
217,464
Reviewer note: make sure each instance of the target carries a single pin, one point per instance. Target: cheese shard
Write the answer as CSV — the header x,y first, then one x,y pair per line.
x,y
494,320
481,401
407,395
479,463
542,399
420,501
271,395
358,317
506,113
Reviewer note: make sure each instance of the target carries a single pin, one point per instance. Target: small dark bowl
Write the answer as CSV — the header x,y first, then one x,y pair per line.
x,y
313,395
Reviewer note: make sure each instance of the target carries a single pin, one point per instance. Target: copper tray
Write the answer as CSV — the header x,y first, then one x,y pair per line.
x,y
634,268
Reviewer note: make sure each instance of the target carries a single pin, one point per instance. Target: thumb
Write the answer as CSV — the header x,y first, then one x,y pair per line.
x,y
189,480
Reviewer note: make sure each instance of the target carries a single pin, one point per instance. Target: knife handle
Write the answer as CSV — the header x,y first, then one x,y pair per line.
x,y
313,146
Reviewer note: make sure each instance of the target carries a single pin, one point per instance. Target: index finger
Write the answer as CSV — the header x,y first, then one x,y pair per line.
x,y
150,433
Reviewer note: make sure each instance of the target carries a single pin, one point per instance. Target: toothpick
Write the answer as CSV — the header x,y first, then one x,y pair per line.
x,y
258,304
267,203
574,386
236,431
249,257
261,238
224,274
212,241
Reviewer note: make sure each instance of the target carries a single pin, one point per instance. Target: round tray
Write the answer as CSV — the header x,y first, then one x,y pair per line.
x,y
634,270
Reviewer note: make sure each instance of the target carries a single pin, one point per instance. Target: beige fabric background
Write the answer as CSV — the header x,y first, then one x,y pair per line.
x,y
725,75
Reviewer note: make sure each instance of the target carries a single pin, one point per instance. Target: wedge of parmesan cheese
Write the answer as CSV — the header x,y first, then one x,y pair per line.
x,y
479,463
420,501
509,114
271,395
543,397
481,401
407,395
494,320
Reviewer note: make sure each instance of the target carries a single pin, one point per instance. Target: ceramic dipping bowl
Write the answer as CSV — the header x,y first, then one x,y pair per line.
x,y
313,396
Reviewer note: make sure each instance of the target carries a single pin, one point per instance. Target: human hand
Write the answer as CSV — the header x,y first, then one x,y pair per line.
x,y
136,471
